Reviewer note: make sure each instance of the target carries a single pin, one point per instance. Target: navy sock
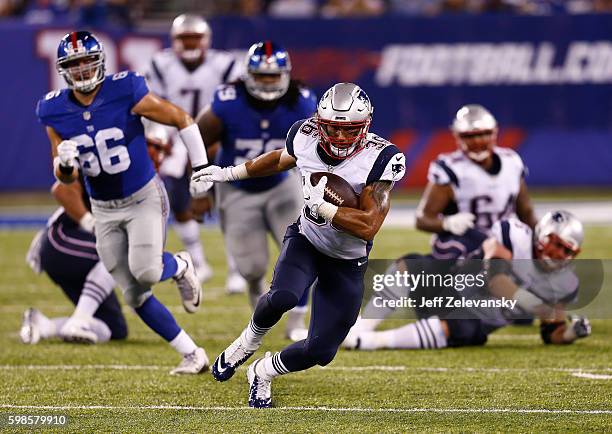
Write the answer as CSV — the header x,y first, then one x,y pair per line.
x,y
158,318
170,266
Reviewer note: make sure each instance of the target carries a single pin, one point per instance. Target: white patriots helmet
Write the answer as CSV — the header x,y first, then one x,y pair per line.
x,y
474,120
343,117
190,25
558,237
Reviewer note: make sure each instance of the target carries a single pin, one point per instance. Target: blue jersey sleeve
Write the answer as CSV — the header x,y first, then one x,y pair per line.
x,y
222,101
308,102
139,88
50,106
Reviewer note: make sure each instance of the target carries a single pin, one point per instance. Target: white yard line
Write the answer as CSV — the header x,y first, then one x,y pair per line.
x,y
329,368
324,409
592,376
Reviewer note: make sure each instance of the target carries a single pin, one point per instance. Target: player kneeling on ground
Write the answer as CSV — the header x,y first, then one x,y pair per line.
x,y
542,284
66,251
328,242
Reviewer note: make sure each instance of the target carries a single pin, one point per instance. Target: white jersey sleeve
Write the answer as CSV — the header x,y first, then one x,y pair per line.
x,y
515,236
438,174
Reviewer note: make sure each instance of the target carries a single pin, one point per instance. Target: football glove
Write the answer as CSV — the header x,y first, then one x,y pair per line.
x,y
580,325
67,152
313,196
458,223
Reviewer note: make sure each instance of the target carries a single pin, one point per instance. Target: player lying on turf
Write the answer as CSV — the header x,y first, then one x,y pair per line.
x,y
96,124
66,251
542,284
328,242
247,118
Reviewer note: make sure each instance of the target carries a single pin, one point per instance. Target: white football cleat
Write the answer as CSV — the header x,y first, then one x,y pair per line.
x,y
30,327
204,272
78,330
188,284
235,284
232,357
297,334
260,390
192,363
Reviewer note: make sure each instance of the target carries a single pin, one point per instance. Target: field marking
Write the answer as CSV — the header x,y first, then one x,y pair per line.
x,y
592,376
325,409
572,371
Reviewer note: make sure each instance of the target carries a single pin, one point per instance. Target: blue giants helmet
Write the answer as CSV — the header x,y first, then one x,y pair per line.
x,y
80,60
266,61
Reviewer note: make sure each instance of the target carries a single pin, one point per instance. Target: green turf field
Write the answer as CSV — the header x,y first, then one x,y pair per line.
x,y
514,383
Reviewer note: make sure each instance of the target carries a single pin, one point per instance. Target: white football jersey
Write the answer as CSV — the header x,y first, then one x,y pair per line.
x,y
552,287
190,90
490,197
380,160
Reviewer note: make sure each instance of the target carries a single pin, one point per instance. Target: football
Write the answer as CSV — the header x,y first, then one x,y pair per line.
x,y
337,191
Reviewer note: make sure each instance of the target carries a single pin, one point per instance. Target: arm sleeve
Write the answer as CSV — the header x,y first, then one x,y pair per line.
x,y
390,165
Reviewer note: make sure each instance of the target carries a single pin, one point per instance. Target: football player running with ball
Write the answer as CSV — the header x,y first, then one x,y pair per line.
x,y
327,242
96,124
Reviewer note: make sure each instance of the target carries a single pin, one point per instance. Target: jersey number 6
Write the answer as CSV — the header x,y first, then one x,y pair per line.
x,y
111,160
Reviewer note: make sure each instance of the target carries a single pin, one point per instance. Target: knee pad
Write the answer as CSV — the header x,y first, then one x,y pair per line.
x,y
147,276
135,296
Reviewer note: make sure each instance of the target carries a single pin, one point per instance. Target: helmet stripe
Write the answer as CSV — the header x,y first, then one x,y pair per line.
x,y
73,39
268,47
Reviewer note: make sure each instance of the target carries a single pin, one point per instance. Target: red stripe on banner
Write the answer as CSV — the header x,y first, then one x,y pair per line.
x,y
511,138
73,39
403,139
441,141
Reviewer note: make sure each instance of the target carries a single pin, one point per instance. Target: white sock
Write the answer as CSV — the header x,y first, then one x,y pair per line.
x,y
423,334
101,330
232,267
50,327
367,324
253,335
183,343
295,318
181,264
270,367
98,286
189,233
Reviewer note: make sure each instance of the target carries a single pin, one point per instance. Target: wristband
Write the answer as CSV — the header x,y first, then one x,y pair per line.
x,y
327,211
195,146
236,173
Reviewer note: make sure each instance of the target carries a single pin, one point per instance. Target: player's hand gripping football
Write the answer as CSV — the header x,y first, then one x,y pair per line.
x,y
67,152
313,195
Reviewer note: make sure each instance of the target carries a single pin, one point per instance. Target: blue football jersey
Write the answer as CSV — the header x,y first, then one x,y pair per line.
x,y
112,148
249,132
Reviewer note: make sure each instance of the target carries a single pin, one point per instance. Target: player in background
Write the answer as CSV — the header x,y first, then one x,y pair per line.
x,y
96,124
66,251
468,190
473,187
327,243
249,118
186,75
529,266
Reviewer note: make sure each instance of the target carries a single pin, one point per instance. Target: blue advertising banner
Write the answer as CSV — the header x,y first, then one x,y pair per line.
x,y
548,80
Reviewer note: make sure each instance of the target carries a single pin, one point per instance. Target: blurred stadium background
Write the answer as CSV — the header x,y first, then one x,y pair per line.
x,y
543,67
